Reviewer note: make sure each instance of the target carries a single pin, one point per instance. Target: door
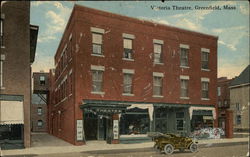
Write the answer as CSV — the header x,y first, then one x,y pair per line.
x,y
102,128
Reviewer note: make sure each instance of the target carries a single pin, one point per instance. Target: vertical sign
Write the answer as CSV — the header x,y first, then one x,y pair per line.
x,y
79,130
116,129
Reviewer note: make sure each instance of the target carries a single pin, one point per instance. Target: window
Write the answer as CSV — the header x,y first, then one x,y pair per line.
x,y
238,119
158,53
127,45
204,89
71,82
204,58
179,121
39,111
97,43
39,123
157,88
42,80
219,91
2,58
184,87
238,107
1,32
127,83
184,57
219,103
97,78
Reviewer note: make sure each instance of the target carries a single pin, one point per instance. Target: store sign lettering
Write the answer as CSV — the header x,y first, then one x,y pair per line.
x,y
79,130
116,129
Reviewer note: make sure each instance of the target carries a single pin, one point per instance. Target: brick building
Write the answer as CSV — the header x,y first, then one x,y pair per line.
x,y
116,76
39,102
18,45
223,92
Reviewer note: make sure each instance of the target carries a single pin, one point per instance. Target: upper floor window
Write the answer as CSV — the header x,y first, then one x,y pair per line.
x,y
158,46
97,34
184,86
2,58
204,88
157,84
2,31
238,107
219,103
40,123
42,80
128,81
128,45
204,58
184,55
97,78
97,43
39,110
238,119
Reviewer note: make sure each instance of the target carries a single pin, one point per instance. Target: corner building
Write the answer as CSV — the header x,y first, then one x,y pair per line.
x,y
117,76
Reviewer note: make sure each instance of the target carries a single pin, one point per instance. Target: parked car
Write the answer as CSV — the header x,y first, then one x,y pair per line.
x,y
170,142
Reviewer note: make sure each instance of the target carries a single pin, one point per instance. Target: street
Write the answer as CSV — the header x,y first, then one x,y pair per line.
x,y
229,151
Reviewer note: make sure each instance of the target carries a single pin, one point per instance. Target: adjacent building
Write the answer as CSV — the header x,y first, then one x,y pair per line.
x,y
117,76
39,102
239,100
18,45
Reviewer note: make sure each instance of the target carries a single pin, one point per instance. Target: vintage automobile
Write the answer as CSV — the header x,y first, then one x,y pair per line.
x,y
169,142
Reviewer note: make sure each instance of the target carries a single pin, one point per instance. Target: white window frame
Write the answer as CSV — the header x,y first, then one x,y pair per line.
x,y
2,58
207,51
161,76
130,84
97,69
186,47
205,80
2,30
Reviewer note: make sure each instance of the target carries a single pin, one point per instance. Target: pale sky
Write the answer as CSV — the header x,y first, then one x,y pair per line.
x,y
231,26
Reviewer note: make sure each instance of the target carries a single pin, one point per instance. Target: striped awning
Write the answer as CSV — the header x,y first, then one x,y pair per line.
x,y
11,112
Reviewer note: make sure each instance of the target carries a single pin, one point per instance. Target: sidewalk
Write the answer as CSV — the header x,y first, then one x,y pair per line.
x,y
47,144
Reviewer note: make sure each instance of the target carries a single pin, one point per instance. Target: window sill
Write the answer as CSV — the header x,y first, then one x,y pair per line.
x,y
70,95
127,94
158,63
97,55
127,59
205,99
205,69
185,67
2,47
184,97
2,87
158,96
100,93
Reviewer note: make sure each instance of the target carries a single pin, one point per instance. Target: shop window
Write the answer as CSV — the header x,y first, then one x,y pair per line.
x,y
157,88
42,80
204,60
161,120
135,121
157,53
97,43
179,121
97,78
204,86
128,48
184,88
184,57
127,83
40,123
39,110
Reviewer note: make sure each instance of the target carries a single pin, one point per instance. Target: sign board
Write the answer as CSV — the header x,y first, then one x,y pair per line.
x,y
79,130
116,129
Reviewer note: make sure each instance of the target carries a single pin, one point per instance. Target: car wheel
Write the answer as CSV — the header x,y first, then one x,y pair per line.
x,y
168,149
193,147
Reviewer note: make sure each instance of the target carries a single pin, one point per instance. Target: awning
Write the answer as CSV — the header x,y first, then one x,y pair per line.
x,y
150,108
11,112
193,108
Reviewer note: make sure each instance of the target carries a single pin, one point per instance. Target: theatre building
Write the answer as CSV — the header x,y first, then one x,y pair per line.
x,y
18,45
117,78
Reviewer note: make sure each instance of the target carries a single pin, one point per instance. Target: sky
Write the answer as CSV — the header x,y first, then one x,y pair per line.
x,y
231,26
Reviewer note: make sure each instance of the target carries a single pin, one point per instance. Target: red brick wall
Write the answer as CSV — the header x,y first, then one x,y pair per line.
x,y
80,22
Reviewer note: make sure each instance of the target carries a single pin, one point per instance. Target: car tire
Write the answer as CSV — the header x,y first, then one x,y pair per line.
x,y
168,149
193,147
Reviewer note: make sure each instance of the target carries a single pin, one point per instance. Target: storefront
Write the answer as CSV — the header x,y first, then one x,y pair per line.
x,y
11,122
202,117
